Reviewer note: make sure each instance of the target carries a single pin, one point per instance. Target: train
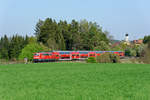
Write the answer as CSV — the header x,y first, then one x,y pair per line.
x,y
69,55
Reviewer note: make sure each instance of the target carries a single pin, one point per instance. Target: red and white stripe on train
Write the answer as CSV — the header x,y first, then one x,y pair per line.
x,y
69,55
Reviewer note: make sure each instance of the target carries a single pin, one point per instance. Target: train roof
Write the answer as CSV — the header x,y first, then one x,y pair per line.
x,y
81,52
86,51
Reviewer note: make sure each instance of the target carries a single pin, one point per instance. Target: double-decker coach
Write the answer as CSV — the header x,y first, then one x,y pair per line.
x,y
70,55
45,57
75,55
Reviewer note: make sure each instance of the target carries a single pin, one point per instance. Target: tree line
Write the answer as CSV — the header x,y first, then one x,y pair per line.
x,y
52,35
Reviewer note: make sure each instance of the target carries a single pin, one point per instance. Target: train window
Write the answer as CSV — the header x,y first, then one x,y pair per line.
x,y
99,52
47,54
75,55
83,52
64,52
84,57
92,54
37,54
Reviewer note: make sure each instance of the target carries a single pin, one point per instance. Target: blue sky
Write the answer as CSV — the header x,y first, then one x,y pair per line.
x,y
116,16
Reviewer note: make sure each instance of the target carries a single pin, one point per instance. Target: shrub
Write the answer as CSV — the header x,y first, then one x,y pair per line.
x,y
91,60
139,50
108,58
133,53
115,58
130,52
103,58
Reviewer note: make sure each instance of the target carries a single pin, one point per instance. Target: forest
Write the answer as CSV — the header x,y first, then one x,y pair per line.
x,y
52,35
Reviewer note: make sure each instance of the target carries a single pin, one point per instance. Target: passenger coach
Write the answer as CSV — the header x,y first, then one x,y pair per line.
x,y
69,55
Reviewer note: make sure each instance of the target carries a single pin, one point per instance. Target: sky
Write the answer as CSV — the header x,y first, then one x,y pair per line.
x,y
116,16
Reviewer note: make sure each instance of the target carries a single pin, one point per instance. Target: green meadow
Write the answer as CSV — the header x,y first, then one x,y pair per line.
x,y
74,81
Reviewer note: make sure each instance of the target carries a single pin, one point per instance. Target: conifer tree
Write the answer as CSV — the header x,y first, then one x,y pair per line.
x,y
4,46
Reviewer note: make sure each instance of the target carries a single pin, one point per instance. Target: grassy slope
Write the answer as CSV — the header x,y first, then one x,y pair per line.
x,y
75,81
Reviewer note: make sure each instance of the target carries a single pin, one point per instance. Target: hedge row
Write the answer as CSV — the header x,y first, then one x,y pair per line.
x,y
104,58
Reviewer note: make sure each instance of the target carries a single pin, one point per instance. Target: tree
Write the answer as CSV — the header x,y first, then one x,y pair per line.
x,y
51,43
46,31
76,38
29,50
26,40
146,54
50,35
4,47
11,47
96,36
60,39
146,39
31,40
117,48
110,37
45,48
131,52
17,43
4,53
102,46
66,35
84,33
37,28
139,49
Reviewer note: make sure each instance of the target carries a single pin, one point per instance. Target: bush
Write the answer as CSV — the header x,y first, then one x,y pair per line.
x,y
91,60
108,58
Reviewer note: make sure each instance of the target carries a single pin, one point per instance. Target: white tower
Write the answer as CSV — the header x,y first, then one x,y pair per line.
x,y
127,38
127,42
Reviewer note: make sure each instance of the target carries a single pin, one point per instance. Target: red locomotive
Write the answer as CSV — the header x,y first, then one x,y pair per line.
x,y
69,55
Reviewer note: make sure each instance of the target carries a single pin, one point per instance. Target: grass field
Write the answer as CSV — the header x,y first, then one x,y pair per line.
x,y
75,81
